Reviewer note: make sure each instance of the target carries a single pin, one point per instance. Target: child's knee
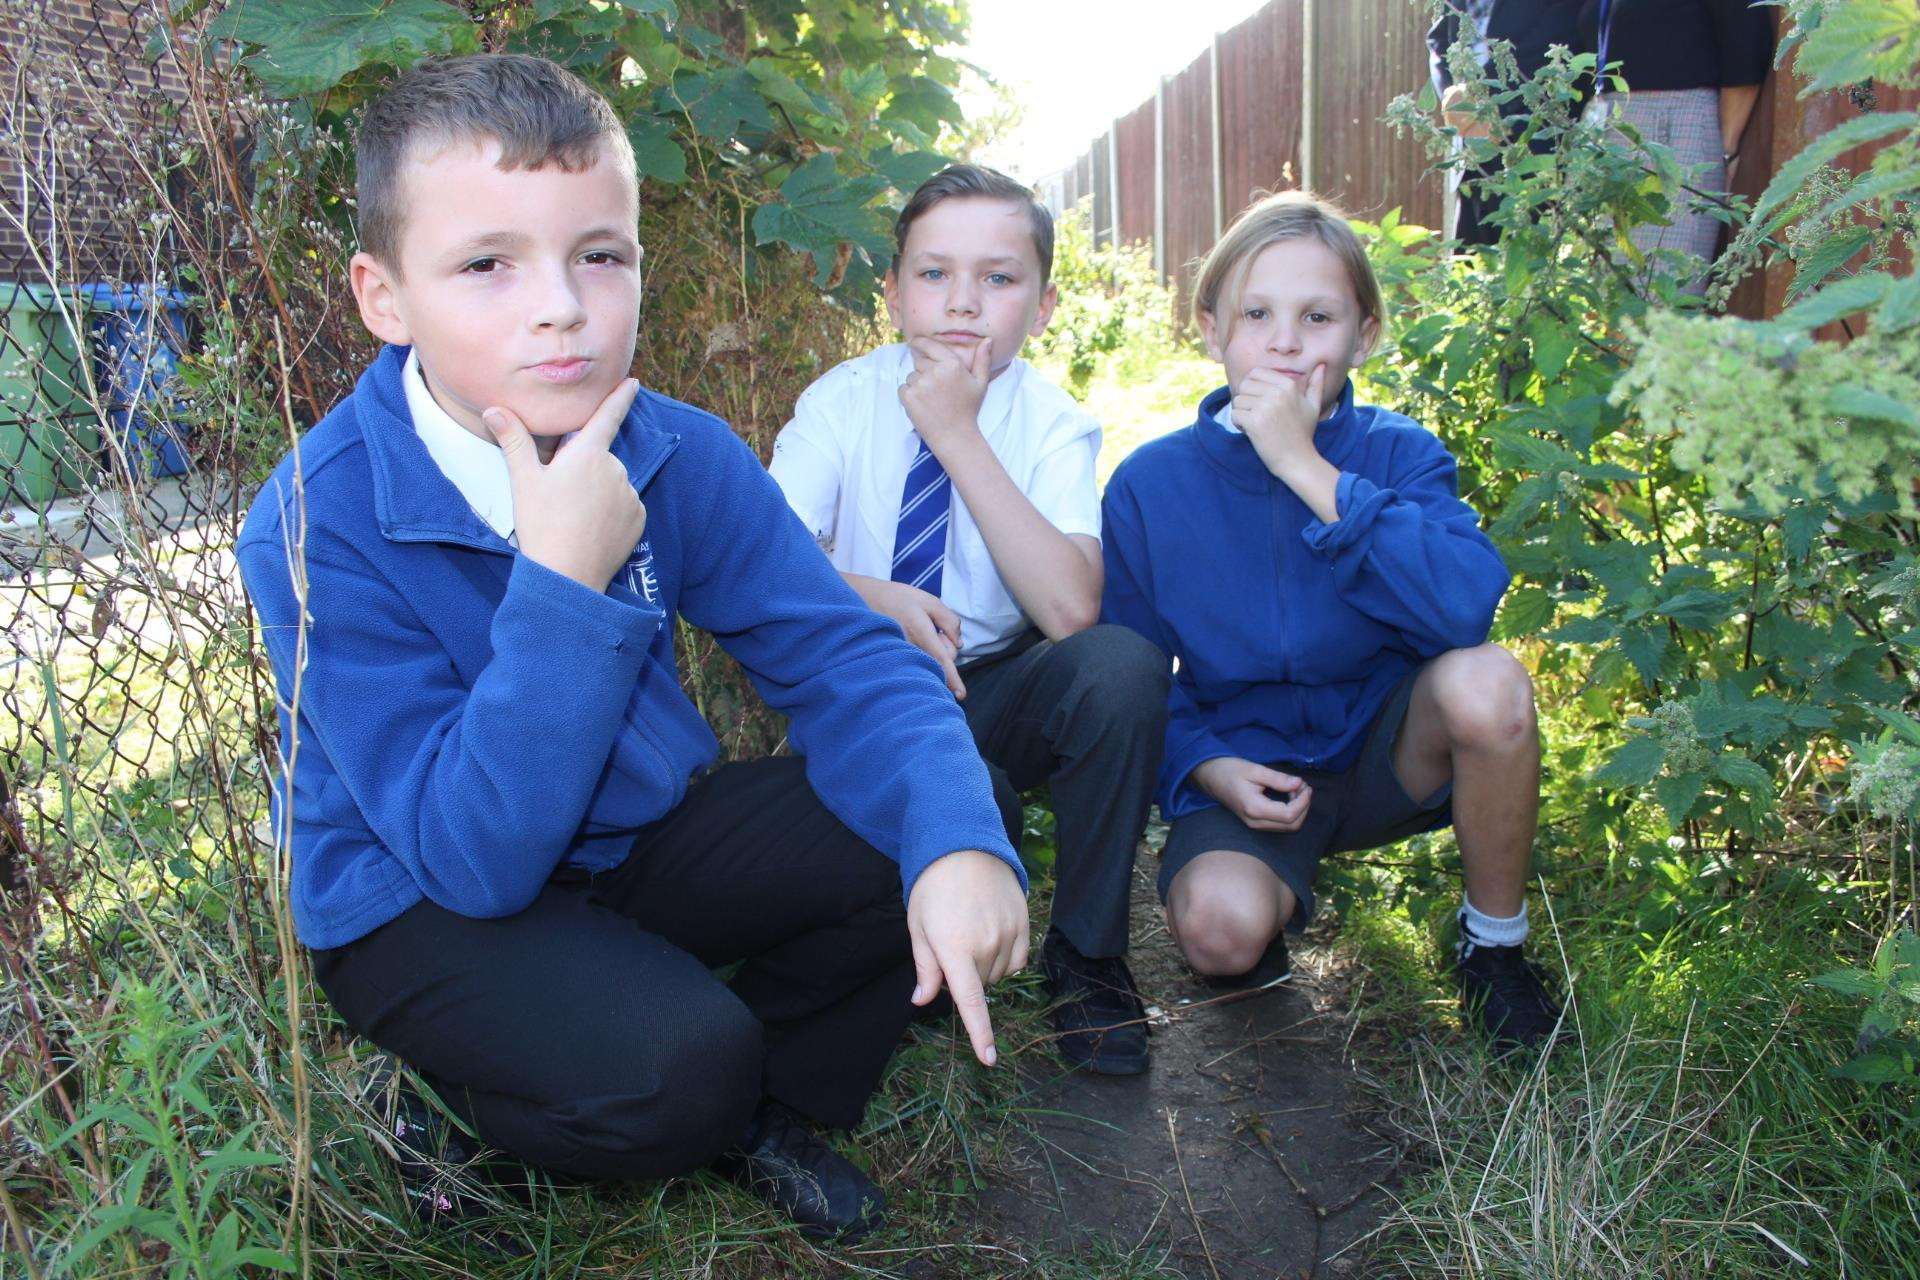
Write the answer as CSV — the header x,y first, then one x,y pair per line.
x,y
676,1106
1221,928
1123,674
1485,695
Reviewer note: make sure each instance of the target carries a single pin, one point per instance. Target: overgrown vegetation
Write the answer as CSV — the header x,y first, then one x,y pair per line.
x,y
1712,525
1712,521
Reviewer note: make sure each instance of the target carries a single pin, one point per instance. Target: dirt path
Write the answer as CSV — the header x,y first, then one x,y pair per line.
x,y
1236,1156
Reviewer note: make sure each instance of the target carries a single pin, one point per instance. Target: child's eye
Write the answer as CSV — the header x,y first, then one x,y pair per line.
x,y
1318,317
481,266
933,273
1256,313
602,257
999,277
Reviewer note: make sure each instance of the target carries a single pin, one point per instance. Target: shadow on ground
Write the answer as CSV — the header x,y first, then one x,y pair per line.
x,y
1239,1155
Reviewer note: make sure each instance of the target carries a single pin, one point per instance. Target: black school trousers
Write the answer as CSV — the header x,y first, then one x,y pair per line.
x,y
1086,715
588,1034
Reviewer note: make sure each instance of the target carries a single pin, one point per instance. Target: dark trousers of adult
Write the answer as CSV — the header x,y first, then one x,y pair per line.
x,y
587,1034
1087,716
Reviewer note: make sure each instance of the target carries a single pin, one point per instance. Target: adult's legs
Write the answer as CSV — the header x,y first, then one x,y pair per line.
x,y
1470,721
1086,715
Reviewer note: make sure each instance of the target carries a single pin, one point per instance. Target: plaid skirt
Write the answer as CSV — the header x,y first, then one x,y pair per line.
x,y
1687,121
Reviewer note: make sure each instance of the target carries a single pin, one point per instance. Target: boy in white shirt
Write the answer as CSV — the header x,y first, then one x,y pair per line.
x,y
953,487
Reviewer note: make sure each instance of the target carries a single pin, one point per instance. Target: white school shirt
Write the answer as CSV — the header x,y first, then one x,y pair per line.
x,y
842,463
476,467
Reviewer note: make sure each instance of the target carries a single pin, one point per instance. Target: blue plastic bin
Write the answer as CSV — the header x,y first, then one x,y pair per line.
x,y
139,333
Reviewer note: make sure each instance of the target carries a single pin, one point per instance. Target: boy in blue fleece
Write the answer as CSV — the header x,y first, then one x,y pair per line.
x,y
1327,597
513,858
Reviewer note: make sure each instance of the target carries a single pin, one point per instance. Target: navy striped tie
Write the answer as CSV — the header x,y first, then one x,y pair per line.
x,y
920,539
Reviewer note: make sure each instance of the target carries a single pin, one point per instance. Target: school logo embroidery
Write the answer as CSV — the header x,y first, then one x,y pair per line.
x,y
640,577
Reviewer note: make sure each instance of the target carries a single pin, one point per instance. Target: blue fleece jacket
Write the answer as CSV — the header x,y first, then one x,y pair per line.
x,y
461,720
1290,632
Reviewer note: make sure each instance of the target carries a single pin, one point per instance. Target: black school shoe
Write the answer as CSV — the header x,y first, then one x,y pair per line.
x,y
1273,967
786,1164
1505,995
1100,1019
432,1153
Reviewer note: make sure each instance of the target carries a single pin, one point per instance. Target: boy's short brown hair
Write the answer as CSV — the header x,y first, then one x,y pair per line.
x,y
540,114
959,180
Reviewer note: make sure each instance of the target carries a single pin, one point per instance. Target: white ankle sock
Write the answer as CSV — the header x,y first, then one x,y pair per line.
x,y
1477,928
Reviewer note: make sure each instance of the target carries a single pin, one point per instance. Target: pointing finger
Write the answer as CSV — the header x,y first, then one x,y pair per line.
x,y
968,997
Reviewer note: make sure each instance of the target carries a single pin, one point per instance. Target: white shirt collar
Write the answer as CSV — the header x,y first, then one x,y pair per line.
x,y
1225,417
477,468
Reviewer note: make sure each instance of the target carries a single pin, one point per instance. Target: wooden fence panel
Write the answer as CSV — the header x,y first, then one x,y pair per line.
x,y
1134,133
1189,168
1260,63
1102,210
1365,54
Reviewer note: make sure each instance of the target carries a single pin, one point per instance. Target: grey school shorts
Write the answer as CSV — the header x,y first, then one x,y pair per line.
x,y
1362,807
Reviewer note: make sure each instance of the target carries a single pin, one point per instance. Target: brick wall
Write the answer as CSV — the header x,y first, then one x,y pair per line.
x,y
79,96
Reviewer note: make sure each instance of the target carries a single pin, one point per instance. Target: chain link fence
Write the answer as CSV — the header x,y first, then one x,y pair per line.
x,y
152,366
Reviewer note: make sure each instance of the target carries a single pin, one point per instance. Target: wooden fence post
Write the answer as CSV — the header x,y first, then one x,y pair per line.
x,y
1308,116
1160,180
1218,143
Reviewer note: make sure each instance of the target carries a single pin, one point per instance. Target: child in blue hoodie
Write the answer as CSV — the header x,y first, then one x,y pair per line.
x,y
1327,597
513,859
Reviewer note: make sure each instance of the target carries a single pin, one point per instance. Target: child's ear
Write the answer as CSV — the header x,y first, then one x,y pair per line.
x,y
890,291
1369,336
1210,331
1049,299
373,289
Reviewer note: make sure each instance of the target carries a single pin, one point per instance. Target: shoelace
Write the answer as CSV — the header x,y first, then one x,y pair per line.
x,y
1107,986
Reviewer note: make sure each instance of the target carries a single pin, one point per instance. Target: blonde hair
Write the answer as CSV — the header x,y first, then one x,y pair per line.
x,y
1286,215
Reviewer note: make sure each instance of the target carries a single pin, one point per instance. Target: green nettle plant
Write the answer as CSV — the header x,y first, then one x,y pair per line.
x,y
1111,303
1711,519
810,116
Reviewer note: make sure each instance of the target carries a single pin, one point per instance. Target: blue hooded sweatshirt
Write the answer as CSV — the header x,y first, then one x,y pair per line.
x,y
1289,632
461,720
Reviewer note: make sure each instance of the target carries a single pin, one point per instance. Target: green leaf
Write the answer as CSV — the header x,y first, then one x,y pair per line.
x,y
1646,649
1696,608
1836,301
865,86
905,170
1527,612
307,46
655,153
1878,1066
1860,40
819,210
1828,256
1737,770
1552,346
1828,147
921,101
777,86
1900,308
1849,982
1801,524
1899,721
1864,402
260,1256
1677,795
1635,764
720,103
